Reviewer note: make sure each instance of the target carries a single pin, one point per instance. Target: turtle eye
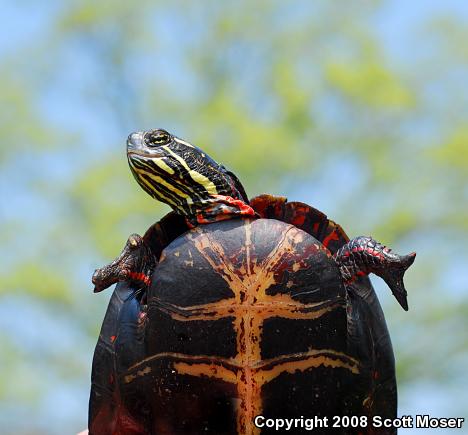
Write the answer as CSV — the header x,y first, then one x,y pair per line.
x,y
157,138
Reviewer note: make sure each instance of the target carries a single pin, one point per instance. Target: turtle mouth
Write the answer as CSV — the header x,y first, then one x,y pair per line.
x,y
140,153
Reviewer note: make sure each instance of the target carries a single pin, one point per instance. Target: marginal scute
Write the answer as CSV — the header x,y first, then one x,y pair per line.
x,y
302,216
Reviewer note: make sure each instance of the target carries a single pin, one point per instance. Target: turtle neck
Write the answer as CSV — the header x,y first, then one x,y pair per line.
x,y
220,208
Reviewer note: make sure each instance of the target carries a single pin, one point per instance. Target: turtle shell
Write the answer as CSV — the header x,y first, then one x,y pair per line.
x,y
244,318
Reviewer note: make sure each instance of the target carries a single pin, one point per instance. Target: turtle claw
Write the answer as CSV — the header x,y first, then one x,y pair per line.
x,y
393,276
364,255
135,263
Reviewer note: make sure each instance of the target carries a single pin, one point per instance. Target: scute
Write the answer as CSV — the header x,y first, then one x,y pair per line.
x,y
236,307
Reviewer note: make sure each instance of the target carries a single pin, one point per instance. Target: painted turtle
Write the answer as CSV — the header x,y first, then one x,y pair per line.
x,y
228,309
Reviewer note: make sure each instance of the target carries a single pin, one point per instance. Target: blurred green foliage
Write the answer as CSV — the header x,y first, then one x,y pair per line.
x,y
302,99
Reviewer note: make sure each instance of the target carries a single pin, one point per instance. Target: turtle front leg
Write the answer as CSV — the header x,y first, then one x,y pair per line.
x,y
135,263
363,255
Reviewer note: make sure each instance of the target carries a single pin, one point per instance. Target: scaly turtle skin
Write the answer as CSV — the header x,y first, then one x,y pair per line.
x,y
135,263
266,310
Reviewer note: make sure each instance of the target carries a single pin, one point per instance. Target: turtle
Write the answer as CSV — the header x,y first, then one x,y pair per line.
x,y
230,311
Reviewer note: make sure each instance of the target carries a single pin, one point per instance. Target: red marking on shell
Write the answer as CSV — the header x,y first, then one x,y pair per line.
x,y
298,220
329,238
260,204
272,206
112,338
315,227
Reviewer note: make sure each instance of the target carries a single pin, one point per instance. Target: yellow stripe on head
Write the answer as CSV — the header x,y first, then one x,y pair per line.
x,y
149,187
167,185
163,165
183,142
196,176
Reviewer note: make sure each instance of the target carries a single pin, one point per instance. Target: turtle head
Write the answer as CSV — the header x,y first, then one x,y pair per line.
x,y
178,173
